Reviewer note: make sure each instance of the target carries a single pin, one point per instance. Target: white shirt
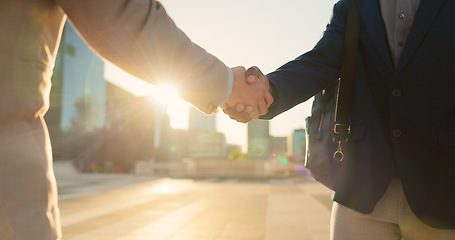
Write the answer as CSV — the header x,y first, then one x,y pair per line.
x,y
397,16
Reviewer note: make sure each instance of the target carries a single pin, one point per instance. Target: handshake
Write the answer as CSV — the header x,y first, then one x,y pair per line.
x,y
250,96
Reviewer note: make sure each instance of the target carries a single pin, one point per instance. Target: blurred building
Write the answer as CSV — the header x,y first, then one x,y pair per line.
x,y
80,85
297,145
206,144
203,139
136,129
78,94
178,144
259,139
97,124
199,120
235,152
278,146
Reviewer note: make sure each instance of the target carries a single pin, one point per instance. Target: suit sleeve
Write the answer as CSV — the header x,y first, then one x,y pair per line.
x,y
139,37
310,73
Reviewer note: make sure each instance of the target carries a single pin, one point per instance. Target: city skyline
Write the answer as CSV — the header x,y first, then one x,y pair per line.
x,y
252,32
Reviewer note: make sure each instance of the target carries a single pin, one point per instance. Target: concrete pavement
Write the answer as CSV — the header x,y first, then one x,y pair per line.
x,y
133,207
72,184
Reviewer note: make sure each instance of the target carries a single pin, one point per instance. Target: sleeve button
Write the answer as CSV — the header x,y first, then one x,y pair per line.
x,y
396,92
397,133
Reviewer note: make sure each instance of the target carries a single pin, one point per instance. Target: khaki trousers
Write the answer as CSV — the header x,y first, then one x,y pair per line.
x,y
28,192
392,219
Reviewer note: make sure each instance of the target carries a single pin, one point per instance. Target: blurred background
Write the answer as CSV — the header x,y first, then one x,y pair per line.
x,y
134,161
105,120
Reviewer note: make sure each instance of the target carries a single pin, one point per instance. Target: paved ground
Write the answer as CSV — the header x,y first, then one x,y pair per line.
x,y
129,207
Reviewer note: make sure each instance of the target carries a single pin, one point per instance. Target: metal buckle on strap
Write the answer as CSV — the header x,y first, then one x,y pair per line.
x,y
341,132
338,155
339,128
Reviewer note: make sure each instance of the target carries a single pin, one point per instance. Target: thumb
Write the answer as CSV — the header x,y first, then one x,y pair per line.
x,y
251,79
252,73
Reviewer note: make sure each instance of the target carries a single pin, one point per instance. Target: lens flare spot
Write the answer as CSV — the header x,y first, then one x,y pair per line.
x,y
283,160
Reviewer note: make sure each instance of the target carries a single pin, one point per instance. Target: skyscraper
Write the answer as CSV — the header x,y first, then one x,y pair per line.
x,y
203,139
78,96
259,139
297,145
199,120
92,122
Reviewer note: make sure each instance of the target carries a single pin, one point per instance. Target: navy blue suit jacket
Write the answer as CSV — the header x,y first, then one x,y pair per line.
x,y
403,119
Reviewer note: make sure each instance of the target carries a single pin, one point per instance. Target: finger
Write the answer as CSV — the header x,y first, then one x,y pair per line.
x,y
253,115
228,111
242,117
254,71
237,119
262,107
251,79
243,120
268,94
238,68
253,112
249,109
247,114
224,106
268,99
239,107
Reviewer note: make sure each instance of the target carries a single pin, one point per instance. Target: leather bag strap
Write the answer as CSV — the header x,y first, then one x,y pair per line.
x,y
342,126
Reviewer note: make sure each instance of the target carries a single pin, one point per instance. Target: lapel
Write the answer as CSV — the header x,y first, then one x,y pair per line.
x,y
371,18
425,14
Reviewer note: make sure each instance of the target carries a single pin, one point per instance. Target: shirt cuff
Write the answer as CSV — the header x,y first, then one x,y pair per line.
x,y
229,85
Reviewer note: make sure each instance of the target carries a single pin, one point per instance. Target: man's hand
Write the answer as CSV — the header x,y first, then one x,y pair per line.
x,y
250,106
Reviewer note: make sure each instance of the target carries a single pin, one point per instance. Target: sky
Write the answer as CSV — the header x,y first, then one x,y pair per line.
x,y
263,33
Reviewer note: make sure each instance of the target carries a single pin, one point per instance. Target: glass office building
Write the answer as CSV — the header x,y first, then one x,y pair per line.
x,y
78,94
80,80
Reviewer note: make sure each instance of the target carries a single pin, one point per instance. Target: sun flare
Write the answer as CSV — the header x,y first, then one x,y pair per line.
x,y
177,108
165,94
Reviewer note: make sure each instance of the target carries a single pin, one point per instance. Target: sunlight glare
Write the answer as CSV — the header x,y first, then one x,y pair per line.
x,y
177,108
165,94
171,187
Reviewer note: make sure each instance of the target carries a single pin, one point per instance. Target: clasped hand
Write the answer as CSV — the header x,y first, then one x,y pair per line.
x,y
250,95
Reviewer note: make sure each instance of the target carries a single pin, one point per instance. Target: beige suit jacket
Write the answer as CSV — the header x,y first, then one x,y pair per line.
x,y
136,35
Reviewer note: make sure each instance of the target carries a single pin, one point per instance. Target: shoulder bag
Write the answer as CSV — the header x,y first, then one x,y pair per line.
x,y
328,126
